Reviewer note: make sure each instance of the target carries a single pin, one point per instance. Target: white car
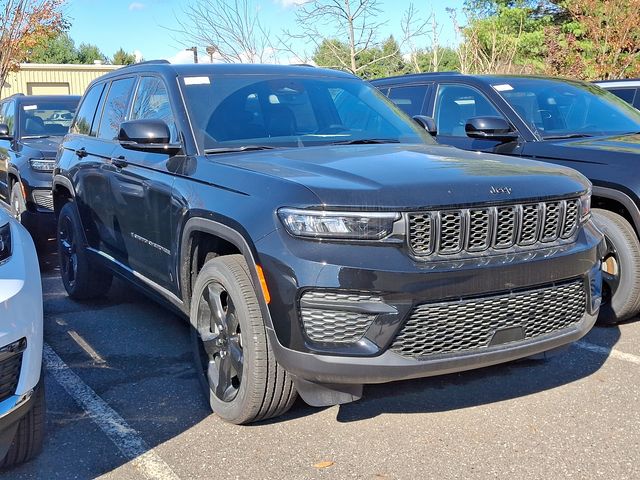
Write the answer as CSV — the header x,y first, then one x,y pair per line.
x,y
22,405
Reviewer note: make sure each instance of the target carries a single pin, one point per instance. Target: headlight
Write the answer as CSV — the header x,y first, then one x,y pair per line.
x,y
42,164
325,224
585,206
5,242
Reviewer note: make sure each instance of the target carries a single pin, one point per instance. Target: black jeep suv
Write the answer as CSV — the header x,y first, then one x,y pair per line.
x,y
316,238
31,128
555,120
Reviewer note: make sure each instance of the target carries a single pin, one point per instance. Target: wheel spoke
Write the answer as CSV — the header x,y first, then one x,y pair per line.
x,y
212,295
231,318
210,341
236,356
224,389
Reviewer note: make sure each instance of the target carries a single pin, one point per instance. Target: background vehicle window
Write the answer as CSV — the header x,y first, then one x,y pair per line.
x,y
8,114
152,102
410,98
625,94
455,104
115,108
87,111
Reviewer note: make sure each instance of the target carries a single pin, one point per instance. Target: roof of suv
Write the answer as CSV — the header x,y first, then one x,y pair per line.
x,y
479,79
226,69
21,98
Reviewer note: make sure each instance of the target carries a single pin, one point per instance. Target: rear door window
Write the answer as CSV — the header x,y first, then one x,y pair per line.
x,y
115,108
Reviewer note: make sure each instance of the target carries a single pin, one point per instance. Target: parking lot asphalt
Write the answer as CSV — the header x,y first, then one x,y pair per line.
x,y
123,402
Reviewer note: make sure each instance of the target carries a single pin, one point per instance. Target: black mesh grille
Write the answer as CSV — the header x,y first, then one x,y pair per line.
x,y
9,375
470,324
330,323
478,229
43,198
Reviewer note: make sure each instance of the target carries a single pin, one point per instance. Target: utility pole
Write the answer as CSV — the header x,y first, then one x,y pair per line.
x,y
195,53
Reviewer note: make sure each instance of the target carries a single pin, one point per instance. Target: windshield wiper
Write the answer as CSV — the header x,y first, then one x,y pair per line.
x,y
245,148
27,137
569,135
365,141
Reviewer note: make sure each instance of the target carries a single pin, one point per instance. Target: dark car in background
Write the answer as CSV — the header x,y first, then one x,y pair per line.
x,y
626,89
316,238
566,122
31,128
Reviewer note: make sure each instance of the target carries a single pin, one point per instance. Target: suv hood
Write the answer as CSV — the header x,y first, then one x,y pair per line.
x,y
410,176
48,146
601,150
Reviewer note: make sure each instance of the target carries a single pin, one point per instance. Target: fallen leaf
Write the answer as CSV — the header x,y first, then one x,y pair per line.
x,y
325,464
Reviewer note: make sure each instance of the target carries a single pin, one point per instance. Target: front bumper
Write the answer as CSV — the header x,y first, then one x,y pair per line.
x,y
292,268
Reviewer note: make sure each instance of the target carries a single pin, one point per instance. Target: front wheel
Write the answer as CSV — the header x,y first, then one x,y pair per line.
x,y
80,278
620,268
18,204
234,360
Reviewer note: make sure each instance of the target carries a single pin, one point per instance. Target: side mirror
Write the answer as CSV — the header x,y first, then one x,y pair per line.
x,y
490,128
4,132
147,135
428,123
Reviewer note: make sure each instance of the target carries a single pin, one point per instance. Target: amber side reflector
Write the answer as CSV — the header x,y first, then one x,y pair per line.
x,y
263,284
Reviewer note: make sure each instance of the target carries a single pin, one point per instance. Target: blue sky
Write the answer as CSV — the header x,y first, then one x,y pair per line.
x,y
138,24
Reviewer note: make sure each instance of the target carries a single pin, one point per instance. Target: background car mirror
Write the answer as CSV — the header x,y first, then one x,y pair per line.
x,y
490,128
4,132
148,135
428,123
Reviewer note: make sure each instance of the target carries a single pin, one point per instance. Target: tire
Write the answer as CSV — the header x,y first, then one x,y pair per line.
x,y
17,202
621,285
27,442
233,358
82,280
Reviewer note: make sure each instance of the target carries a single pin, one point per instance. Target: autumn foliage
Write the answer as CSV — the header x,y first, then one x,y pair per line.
x,y
23,25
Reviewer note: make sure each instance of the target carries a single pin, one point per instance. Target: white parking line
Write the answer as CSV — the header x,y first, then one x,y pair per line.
x,y
86,347
609,352
128,441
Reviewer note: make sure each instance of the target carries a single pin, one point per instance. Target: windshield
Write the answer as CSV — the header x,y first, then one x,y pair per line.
x,y
47,118
260,111
559,108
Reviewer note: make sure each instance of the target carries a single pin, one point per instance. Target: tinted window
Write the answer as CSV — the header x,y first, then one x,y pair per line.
x,y
294,112
87,111
625,94
115,108
455,104
410,98
562,107
152,102
45,118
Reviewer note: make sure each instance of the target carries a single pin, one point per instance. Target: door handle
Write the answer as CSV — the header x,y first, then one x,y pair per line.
x,y
82,152
119,162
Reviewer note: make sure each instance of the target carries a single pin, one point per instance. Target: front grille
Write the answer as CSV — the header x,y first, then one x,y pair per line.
x,y
329,317
470,324
9,375
451,232
43,198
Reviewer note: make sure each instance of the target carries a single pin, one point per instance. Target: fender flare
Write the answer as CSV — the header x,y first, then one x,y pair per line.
x,y
65,182
205,225
622,198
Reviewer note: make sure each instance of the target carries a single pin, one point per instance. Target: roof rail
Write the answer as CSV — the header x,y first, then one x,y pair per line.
x,y
301,65
148,62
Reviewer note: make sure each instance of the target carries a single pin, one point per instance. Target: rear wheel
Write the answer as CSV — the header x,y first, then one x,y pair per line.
x,y
235,363
620,268
81,279
27,441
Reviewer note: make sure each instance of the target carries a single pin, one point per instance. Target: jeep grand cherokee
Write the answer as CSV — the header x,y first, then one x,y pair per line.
x,y
316,238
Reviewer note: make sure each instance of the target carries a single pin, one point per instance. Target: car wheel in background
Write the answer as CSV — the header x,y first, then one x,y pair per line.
x,y
620,268
82,280
17,202
235,363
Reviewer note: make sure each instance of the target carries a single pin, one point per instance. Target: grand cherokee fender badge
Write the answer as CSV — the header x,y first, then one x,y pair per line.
x,y
498,190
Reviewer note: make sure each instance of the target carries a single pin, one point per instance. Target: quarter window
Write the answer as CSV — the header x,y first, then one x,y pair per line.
x,y
115,109
455,104
87,111
152,102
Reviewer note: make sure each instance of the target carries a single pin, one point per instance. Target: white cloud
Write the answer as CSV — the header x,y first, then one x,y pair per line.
x,y
136,6
138,55
292,3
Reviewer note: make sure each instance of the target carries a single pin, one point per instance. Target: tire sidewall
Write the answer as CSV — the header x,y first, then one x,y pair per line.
x,y
16,193
238,408
69,211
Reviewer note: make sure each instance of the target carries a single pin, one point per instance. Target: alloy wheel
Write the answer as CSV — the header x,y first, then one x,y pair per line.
x,y
68,251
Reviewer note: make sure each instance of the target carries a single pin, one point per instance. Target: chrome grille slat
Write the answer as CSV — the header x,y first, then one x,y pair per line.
x,y
466,325
474,230
43,198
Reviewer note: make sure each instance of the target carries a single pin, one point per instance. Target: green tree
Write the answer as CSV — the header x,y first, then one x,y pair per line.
x,y
123,58
57,49
448,60
389,61
89,54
